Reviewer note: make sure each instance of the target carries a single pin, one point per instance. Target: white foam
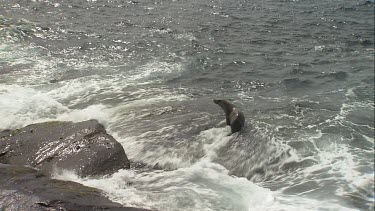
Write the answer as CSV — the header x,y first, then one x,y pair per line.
x,y
319,48
185,36
297,203
155,70
165,97
99,112
203,186
214,139
20,106
144,148
338,162
369,139
148,147
81,90
33,100
350,93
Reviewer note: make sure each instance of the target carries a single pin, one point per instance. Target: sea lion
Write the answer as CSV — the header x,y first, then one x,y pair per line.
x,y
233,116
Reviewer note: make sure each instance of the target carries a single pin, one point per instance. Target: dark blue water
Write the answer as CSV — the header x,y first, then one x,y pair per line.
x,y
301,71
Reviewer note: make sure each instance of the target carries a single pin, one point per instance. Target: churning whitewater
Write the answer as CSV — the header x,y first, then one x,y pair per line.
x,y
302,73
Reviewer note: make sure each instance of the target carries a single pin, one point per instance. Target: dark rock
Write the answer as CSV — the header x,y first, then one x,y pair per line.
x,y
4,132
23,188
82,147
44,28
53,81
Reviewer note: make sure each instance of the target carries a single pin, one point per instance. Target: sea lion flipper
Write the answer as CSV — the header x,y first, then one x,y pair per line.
x,y
227,120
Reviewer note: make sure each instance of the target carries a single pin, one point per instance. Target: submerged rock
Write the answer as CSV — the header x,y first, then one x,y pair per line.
x,y
23,188
83,147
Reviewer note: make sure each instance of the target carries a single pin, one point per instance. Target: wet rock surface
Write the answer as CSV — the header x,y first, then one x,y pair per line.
x,y
83,147
24,188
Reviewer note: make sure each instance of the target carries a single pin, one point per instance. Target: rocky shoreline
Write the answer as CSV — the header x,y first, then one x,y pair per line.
x,y
29,156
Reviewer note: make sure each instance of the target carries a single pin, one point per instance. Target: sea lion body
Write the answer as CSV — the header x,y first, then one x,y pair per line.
x,y
233,116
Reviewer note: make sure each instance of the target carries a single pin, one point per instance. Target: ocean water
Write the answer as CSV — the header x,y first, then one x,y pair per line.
x,y
301,71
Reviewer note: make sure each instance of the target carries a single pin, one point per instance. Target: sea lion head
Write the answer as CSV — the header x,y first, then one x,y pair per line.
x,y
217,101
225,105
